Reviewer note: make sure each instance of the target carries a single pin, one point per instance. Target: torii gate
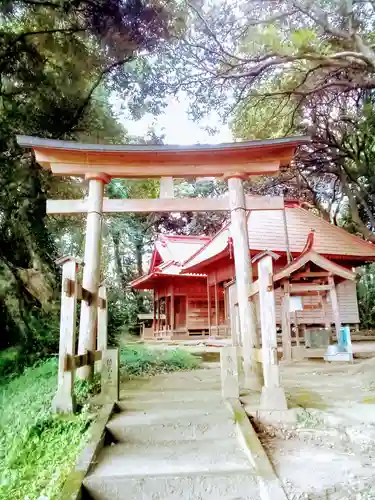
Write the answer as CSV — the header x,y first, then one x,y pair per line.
x,y
98,164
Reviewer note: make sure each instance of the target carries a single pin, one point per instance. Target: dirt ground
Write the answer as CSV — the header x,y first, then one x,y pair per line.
x,y
329,453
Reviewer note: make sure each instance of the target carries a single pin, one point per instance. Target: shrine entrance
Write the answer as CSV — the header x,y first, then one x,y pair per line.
x,y
98,164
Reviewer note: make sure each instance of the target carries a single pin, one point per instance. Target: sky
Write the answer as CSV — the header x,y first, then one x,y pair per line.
x,y
177,126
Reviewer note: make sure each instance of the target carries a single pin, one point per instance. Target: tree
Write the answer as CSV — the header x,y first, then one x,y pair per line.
x,y
292,66
289,48
58,62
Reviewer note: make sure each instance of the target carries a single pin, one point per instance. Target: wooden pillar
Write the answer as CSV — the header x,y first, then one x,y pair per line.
x,y
273,396
154,323
244,277
102,319
169,317
187,313
295,317
285,322
91,270
335,306
209,307
160,321
324,304
172,309
63,402
216,310
232,300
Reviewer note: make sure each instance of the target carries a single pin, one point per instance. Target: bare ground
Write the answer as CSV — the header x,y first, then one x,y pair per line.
x,y
329,452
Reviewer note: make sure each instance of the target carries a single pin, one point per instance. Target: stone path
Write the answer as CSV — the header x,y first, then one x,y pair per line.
x,y
175,439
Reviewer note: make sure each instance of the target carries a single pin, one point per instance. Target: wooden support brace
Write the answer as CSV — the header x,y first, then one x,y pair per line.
x,y
69,287
63,401
79,360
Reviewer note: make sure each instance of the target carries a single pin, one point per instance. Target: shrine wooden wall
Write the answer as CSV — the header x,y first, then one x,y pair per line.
x,y
348,304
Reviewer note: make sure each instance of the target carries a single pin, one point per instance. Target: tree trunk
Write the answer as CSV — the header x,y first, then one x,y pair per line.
x,y
118,262
358,222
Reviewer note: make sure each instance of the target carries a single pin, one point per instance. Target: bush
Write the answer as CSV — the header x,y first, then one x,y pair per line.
x,y
10,362
142,361
366,296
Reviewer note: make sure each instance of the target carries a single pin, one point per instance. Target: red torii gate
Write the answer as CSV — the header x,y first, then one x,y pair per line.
x,y
98,164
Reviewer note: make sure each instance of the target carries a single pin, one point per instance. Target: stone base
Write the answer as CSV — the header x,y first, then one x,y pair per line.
x,y
276,417
63,403
273,398
253,377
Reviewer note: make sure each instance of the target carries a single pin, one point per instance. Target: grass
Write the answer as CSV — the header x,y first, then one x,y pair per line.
x,y
139,361
38,449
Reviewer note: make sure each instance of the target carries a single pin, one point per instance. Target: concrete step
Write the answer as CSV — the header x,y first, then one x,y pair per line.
x,y
171,425
142,405
185,457
236,485
170,395
161,414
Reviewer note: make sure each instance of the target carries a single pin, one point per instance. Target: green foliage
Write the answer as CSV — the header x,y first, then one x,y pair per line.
x,y
37,449
10,362
366,296
60,63
138,361
84,389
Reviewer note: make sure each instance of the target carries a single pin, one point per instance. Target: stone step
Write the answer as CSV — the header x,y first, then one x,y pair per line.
x,y
236,485
185,457
161,414
142,405
171,425
170,395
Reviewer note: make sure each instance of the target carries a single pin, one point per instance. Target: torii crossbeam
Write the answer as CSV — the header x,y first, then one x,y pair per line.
x,y
100,163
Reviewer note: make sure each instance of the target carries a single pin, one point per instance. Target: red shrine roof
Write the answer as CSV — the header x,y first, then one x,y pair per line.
x,y
189,255
169,254
266,232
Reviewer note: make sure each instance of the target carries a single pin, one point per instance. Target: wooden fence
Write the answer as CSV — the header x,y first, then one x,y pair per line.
x,y
69,361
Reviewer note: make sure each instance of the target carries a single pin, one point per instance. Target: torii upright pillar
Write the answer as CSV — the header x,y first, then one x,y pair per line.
x,y
91,269
244,277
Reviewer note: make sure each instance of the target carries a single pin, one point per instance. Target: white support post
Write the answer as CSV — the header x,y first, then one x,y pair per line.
x,y
244,277
232,300
102,319
166,187
285,323
229,373
91,270
273,396
335,306
235,329
110,382
63,402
